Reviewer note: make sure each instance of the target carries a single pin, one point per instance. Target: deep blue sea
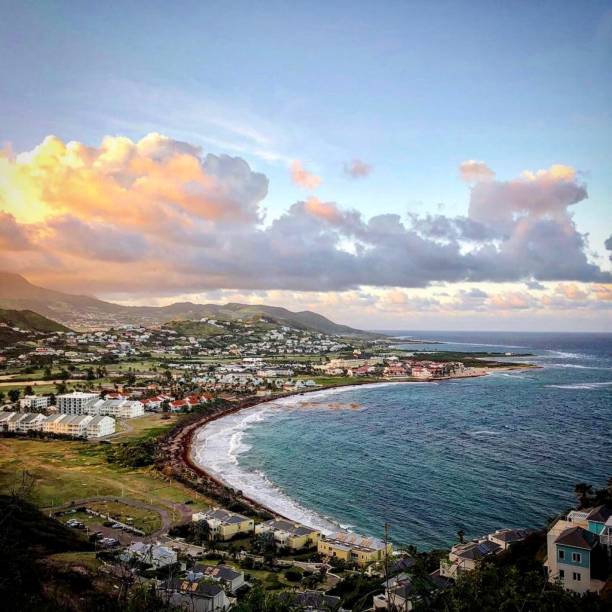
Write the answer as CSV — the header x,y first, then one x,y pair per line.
x,y
432,458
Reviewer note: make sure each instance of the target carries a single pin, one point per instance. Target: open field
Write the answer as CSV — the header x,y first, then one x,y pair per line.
x,y
65,470
150,426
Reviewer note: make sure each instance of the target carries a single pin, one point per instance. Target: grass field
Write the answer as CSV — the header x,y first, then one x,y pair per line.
x,y
67,470
149,426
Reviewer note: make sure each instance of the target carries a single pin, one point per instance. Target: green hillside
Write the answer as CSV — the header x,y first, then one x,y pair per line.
x,y
30,321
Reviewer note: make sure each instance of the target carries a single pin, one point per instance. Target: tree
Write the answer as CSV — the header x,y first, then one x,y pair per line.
x,y
583,493
13,395
461,536
28,390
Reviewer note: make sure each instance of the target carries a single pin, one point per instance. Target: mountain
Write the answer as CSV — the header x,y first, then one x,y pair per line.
x,y
85,312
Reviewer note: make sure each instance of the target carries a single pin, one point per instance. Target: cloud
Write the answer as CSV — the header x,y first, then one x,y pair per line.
x,y
357,168
301,177
571,291
608,245
160,217
474,171
12,235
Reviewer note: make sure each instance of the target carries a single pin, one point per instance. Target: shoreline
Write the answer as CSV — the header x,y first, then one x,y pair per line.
x,y
187,434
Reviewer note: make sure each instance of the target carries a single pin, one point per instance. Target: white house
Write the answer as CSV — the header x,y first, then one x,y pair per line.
x,y
150,554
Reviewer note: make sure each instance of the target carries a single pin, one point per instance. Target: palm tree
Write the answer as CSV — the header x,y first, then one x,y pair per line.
x,y
461,536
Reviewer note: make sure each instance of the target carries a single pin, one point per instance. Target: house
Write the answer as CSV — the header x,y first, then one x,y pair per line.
x,y
504,538
395,371
154,404
575,555
34,402
149,554
465,557
228,576
402,592
315,601
223,524
352,548
196,595
288,534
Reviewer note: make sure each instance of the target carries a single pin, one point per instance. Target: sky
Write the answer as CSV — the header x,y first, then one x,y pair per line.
x,y
416,165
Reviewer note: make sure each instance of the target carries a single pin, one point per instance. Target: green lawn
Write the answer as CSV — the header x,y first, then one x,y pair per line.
x,y
67,470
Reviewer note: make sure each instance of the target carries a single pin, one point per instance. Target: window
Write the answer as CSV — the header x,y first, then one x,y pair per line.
x,y
576,557
576,576
561,574
561,554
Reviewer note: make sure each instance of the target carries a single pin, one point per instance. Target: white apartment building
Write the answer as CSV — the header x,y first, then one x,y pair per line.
x,y
74,403
100,426
34,402
117,408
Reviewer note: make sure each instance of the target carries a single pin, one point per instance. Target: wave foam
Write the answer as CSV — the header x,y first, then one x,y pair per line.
x,y
586,386
218,445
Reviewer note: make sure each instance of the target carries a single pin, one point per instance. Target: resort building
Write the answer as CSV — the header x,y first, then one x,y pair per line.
x,y
80,426
118,408
578,549
352,548
30,422
223,524
34,402
74,403
288,534
100,426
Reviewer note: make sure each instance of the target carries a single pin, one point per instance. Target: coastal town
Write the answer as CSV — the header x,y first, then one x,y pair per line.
x,y
141,393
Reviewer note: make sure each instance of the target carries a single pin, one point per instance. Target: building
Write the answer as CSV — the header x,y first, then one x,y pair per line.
x,y
118,408
196,595
288,534
465,557
228,576
30,422
576,551
149,554
34,402
9,421
504,538
352,548
316,601
223,524
75,402
100,426
72,425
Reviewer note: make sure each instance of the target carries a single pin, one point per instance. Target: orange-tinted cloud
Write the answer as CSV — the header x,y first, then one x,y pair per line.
x,y
473,171
302,177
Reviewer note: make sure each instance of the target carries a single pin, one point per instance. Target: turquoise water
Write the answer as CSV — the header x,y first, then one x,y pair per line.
x,y
433,458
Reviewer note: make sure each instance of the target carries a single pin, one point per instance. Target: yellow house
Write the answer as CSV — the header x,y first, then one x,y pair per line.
x,y
353,548
289,535
223,524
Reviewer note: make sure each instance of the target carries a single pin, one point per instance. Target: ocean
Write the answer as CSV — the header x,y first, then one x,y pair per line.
x,y
429,459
